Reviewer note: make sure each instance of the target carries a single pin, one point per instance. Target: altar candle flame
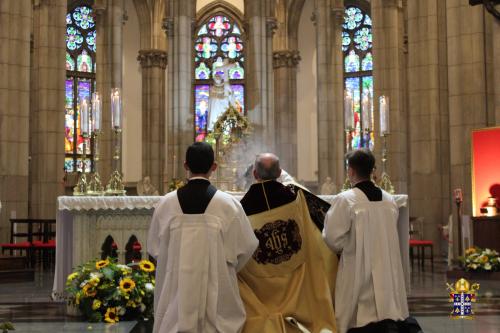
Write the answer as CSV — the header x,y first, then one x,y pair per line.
x,y
384,115
84,116
96,112
348,111
116,107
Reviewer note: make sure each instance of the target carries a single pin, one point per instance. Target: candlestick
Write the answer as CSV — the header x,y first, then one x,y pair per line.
x,y
84,116
82,186
366,114
385,181
116,108
115,185
384,115
96,112
95,186
348,110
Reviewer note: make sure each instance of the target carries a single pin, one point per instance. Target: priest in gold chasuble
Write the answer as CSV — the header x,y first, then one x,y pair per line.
x,y
287,285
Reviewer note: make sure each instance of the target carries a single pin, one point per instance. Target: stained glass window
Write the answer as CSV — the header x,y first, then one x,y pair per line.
x,y
358,65
218,41
80,81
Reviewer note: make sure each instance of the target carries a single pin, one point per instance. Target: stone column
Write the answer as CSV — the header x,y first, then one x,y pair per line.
x,y
428,114
109,27
259,71
328,18
467,88
47,106
389,80
15,28
285,107
153,63
179,26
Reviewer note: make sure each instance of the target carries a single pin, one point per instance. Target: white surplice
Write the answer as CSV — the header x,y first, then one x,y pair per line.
x,y
198,258
370,283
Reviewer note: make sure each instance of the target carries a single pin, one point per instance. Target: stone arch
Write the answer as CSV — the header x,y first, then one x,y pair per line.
x,y
220,6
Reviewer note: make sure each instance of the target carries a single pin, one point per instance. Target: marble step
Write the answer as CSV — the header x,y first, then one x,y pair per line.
x,y
12,263
17,275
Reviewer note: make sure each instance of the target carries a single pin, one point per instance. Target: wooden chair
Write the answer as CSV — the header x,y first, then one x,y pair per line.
x,y
418,244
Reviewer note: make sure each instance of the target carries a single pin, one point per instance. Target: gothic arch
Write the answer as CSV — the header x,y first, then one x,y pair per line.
x,y
220,6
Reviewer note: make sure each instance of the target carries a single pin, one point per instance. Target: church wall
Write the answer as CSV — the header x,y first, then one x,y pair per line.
x,y
15,29
307,127
132,97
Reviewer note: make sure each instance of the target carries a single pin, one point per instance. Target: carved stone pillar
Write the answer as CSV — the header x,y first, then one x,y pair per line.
x,y
389,80
331,142
15,17
47,105
259,72
153,64
285,107
180,117
109,49
428,114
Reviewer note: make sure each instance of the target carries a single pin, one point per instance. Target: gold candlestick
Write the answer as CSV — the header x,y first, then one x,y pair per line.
x,y
115,185
385,181
347,183
95,186
81,187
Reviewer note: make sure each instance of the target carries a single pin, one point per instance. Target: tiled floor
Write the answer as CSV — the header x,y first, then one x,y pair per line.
x,y
29,307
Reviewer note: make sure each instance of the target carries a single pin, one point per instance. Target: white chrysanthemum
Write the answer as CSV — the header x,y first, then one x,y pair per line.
x,y
149,286
487,266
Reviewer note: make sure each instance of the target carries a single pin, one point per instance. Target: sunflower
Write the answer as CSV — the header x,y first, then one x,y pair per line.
x,y
96,304
89,291
147,266
110,316
72,276
127,284
470,251
101,264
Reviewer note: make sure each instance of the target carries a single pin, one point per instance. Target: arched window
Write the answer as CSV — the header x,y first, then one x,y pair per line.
x,y
80,81
358,66
218,41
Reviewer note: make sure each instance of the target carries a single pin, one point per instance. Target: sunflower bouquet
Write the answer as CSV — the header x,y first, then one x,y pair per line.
x,y
104,290
477,259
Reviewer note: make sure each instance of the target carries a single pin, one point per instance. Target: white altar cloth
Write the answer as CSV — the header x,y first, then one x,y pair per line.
x,y
82,222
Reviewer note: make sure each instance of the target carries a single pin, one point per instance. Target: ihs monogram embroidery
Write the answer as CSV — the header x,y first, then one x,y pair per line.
x,y
278,241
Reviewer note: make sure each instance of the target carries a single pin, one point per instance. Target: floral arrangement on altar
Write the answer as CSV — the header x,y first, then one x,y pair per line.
x,y
175,184
106,291
477,259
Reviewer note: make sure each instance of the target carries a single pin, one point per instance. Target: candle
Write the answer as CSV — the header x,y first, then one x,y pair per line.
x,y
348,111
458,195
84,116
384,115
366,116
116,107
96,112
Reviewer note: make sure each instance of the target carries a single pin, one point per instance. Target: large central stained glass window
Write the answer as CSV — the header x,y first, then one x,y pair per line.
x,y
218,41
80,81
358,65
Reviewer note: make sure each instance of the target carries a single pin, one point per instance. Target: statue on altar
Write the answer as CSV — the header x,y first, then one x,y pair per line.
x,y
221,95
328,187
144,187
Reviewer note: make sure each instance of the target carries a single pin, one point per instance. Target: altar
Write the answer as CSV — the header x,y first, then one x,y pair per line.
x,y
83,224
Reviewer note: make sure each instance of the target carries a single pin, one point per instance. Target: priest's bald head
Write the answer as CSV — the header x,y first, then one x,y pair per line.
x,y
360,165
266,167
200,160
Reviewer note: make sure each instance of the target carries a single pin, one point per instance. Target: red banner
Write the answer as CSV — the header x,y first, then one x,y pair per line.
x,y
485,167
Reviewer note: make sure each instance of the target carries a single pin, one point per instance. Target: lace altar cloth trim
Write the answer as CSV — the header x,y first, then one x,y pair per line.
x,y
148,202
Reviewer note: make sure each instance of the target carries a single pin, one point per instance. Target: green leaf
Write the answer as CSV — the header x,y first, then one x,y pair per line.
x,y
108,273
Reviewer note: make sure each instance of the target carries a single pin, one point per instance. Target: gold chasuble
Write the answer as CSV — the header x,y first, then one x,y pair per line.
x,y
287,285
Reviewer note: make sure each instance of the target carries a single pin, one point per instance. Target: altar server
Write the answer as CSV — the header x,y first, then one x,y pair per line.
x,y
285,286
361,226
201,239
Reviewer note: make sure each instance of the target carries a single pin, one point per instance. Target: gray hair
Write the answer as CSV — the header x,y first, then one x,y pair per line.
x,y
267,166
